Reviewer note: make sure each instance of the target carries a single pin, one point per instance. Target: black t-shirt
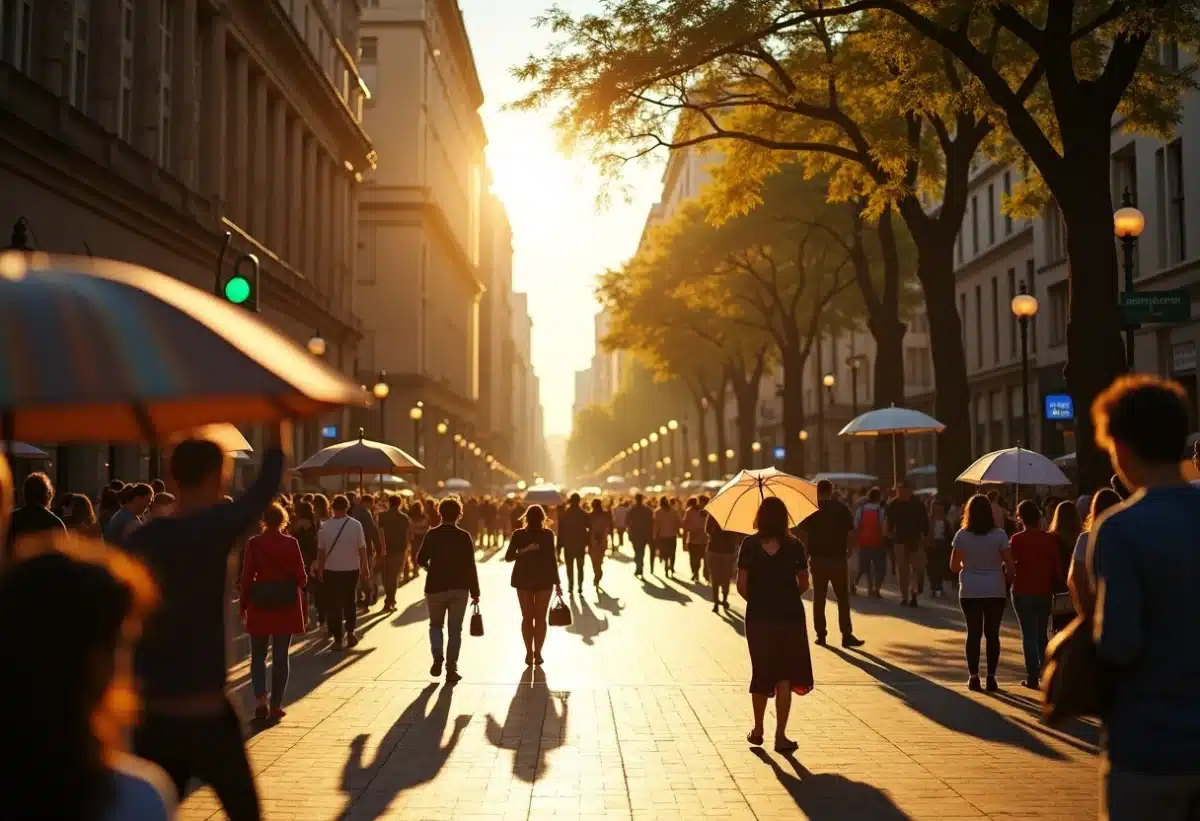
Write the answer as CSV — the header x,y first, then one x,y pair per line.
x,y
719,539
395,525
27,520
773,592
827,530
906,519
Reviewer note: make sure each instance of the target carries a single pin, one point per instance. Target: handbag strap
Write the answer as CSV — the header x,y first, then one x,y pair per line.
x,y
333,546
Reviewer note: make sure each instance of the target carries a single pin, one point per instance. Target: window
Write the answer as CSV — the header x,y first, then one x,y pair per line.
x,y
166,43
125,97
1032,290
368,49
16,33
1176,215
1008,221
1124,174
1056,235
77,91
1057,296
974,224
996,320
991,215
1012,318
1160,208
979,326
1168,54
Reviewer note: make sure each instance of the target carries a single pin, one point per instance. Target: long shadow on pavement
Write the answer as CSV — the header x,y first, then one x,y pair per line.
x,y
947,707
584,622
611,604
532,727
421,759
665,592
832,797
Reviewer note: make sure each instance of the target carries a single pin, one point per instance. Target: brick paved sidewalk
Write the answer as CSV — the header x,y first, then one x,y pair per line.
x,y
641,712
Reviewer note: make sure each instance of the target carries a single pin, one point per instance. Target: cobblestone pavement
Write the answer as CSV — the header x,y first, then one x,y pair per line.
x,y
641,712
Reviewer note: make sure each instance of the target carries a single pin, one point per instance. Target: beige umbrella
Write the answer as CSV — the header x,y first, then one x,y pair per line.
x,y
226,436
735,505
361,456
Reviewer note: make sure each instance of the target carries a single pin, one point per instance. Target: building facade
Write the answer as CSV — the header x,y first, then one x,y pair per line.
x,y
145,130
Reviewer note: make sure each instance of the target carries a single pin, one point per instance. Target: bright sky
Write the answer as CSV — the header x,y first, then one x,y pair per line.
x,y
561,239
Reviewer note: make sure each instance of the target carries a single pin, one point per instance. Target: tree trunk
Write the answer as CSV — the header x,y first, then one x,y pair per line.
x,y
1095,352
888,389
746,396
718,409
792,362
701,451
935,269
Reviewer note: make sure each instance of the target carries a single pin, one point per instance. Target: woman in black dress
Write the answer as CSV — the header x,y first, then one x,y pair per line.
x,y
772,575
535,573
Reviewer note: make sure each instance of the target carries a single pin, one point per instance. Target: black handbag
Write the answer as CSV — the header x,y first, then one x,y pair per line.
x,y
273,595
560,614
476,622
1072,679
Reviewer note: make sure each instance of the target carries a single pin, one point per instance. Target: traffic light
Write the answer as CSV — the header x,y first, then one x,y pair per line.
x,y
241,288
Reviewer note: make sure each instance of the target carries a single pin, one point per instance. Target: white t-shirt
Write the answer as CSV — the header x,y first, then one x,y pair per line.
x,y
344,555
982,574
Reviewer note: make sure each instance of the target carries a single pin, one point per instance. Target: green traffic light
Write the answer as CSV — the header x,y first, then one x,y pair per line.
x,y
237,290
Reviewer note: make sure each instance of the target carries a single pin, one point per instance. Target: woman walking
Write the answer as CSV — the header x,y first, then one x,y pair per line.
x,y
81,517
273,562
1065,527
599,529
304,530
772,576
980,555
448,555
341,561
722,552
1035,570
1078,581
535,573
666,535
695,533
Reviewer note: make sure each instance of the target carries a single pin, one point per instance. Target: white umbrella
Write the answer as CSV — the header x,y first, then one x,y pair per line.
x,y
590,490
226,436
713,484
891,422
845,478
20,450
615,480
457,484
1015,466
544,495
735,505
1066,460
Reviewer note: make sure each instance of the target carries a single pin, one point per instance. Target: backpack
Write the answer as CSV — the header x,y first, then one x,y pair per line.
x,y
870,533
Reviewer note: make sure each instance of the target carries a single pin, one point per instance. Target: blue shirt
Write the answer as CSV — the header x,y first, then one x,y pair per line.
x,y
1145,558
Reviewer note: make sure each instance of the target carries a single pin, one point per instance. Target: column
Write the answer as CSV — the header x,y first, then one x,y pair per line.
x,y
185,91
324,199
309,207
239,114
213,125
53,36
294,218
351,243
279,182
260,164
147,77
104,70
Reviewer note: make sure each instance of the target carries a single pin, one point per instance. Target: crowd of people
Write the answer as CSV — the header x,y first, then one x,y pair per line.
x,y
152,570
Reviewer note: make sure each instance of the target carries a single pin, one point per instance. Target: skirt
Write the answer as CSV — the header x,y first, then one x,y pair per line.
x,y
720,568
779,652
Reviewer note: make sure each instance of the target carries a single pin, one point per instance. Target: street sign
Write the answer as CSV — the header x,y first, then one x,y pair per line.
x,y
780,454
1155,306
1060,406
329,432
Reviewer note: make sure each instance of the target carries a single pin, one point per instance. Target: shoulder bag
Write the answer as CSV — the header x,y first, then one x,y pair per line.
x,y
274,595
560,614
1072,683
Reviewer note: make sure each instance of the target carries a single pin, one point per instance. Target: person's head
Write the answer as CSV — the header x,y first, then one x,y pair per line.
x,y
1142,421
702,501
321,506
534,518
597,506
977,515
38,491
691,502
308,497
304,511
993,496
117,485
158,486
163,504
80,515
574,500
450,509
416,511
340,504
1065,519
275,518
874,495
137,497
75,696
352,498
1030,514
368,500
771,521
199,472
664,503
109,498
1102,500
395,502
638,498
824,490
903,491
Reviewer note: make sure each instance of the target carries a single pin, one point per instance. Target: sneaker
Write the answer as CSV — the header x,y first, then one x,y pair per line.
x,y
436,668
261,712
452,676
913,602
820,642
852,640
973,684
992,686
352,640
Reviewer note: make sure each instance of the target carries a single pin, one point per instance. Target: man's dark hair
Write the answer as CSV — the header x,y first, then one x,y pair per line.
x,y
639,498
158,486
38,490
135,491
574,500
352,498
874,495
1147,414
340,503
117,485
194,461
450,509
824,488
1029,513
394,502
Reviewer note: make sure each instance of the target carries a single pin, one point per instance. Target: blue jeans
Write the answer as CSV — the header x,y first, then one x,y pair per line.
x,y
280,644
872,561
452,603
1033,613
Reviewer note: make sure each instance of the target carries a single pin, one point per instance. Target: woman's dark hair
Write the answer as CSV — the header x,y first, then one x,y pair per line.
x,y
977,515
73,698
450,509
1066,521
1029,513
534,518
664,503
415,510
304,510
691,502
1101,501
109,498
771,521
80,513
597,506
340,503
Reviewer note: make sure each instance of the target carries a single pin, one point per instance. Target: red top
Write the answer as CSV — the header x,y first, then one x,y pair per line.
x,y
1035,553
272,557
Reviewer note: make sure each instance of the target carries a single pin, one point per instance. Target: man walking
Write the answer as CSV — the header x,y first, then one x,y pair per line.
x,y
640,520
870,525
574,536
829,536
394,526
35,516
909,527
1143,557
134,500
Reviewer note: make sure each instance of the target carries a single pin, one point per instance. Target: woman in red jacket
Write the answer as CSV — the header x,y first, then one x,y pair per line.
x,y
273,563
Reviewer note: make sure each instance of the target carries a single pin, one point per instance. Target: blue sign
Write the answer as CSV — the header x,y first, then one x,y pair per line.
x,y
780,454
329,432
1060,406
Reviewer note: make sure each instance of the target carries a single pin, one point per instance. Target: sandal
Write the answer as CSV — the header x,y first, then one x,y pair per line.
x,y
786,746
755,739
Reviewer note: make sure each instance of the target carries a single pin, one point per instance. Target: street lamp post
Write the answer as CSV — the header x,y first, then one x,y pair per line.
x,y
855,361
657,456
1025,307
443,428
712,463
827,381
381,389
458,443
1128,223
415,413
803,438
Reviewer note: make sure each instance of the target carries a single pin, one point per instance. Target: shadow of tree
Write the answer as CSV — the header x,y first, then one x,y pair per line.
x,y
946,706
665,592
831,797
584,622
533,727
422,757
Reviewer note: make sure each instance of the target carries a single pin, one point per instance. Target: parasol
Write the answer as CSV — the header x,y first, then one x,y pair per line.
x,y
735,505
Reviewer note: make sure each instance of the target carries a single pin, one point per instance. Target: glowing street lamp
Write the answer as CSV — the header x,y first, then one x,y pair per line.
x,y
1025,308
673,425
316,344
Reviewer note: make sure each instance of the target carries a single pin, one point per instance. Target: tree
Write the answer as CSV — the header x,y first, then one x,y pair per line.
x,y
858,97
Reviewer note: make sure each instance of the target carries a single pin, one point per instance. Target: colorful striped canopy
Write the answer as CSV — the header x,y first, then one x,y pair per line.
x,y
99,350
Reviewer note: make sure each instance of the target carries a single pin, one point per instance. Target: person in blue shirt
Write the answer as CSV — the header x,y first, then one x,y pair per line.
x,y
1145,562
